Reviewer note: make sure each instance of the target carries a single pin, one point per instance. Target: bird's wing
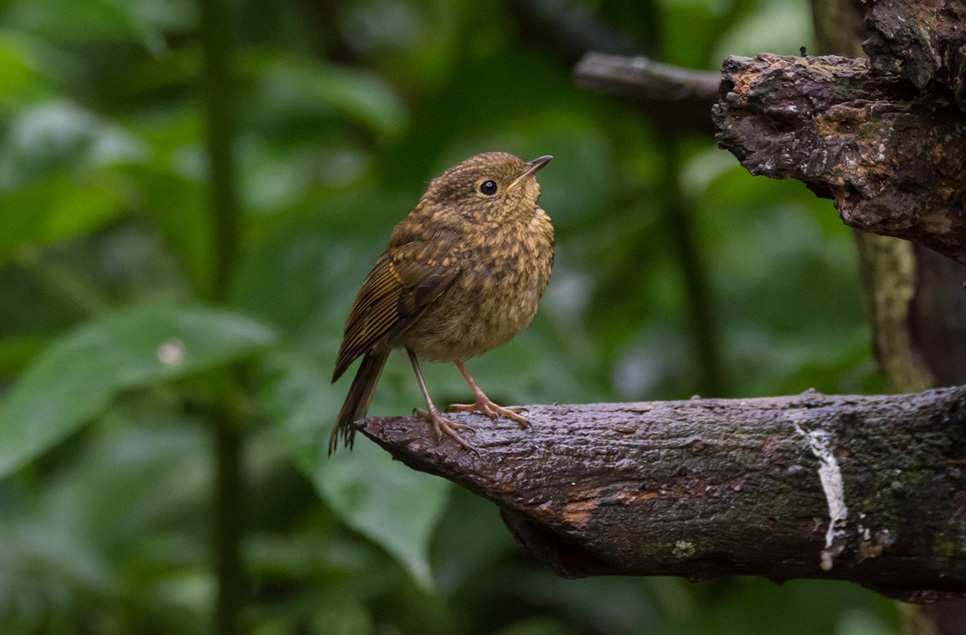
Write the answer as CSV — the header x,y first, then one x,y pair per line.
x,y
403,283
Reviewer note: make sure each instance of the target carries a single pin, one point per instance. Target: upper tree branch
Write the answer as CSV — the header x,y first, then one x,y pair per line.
x,y
644,79
654,87
889,155
867,489
883,139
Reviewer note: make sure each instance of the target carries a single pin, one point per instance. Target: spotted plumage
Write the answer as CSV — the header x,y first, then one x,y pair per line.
x,y
463,273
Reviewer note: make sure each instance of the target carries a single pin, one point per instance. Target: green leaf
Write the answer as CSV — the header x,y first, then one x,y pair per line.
x,y
17,71
52,210
392,505
77,375
389,503
139,21
59,174
177,204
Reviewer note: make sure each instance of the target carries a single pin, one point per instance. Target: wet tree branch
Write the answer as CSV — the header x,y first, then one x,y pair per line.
x,y
863,488
881,137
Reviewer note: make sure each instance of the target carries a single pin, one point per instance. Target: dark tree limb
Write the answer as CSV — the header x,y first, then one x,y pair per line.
x,y
883,138
863,488
671,96
889,155
643,78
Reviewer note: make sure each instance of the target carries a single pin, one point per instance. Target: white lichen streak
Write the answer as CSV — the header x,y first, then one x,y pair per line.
x,y
831,477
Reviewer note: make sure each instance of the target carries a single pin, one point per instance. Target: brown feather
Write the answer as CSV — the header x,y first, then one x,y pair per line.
x,y
401,285
358,400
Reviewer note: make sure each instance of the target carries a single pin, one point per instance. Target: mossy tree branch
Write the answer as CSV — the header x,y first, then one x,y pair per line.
x,y
863,488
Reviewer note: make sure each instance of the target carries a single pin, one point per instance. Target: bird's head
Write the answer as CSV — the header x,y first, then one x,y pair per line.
x,y
491,186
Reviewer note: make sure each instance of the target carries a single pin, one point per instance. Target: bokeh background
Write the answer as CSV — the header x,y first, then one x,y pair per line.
x,y
676,274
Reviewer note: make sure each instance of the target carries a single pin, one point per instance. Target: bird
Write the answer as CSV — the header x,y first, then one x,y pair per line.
x,y
463,273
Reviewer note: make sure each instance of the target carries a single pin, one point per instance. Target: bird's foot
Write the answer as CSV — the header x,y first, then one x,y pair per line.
x,y
442,425
486,407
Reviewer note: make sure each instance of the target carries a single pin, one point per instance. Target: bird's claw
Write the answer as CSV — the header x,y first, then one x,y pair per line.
x,y
442,425
488,408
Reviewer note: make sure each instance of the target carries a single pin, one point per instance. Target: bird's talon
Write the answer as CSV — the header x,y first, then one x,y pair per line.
x,y
519,418
491,410
442,425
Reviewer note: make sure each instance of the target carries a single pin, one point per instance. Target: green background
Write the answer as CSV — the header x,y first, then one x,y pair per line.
x,y
676,274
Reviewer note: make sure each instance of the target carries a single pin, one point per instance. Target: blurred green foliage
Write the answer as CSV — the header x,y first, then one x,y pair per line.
x,y
110,365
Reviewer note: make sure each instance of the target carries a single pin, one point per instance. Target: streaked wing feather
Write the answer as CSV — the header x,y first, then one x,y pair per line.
x,y
403,283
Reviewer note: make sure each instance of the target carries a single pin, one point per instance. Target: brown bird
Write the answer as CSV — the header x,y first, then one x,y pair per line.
x,y
463,273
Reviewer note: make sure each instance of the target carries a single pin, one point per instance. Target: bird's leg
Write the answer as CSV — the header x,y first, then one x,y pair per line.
x,y
441,424
483,404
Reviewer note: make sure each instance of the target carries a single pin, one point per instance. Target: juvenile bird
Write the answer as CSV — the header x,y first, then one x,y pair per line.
x,y
463,273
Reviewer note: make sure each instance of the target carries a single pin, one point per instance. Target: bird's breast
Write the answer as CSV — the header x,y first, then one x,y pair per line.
x,y
502,277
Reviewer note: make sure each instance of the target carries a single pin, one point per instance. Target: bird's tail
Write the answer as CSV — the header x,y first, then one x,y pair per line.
x,y
358,400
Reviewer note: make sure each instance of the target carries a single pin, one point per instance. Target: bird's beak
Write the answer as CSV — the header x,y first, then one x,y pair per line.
x,y
532,168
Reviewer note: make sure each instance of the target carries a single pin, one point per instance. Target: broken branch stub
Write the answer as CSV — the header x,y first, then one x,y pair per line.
x,y
862,488
889,155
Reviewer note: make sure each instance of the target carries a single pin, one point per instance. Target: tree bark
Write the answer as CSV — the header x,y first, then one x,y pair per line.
x,y
888,155
863,488
922,41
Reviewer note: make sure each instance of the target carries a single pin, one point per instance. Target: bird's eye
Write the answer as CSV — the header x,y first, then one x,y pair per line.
x,y
488,187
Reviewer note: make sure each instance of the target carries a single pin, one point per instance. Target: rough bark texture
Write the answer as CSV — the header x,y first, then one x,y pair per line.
x,y
862,488
923,41
890,156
